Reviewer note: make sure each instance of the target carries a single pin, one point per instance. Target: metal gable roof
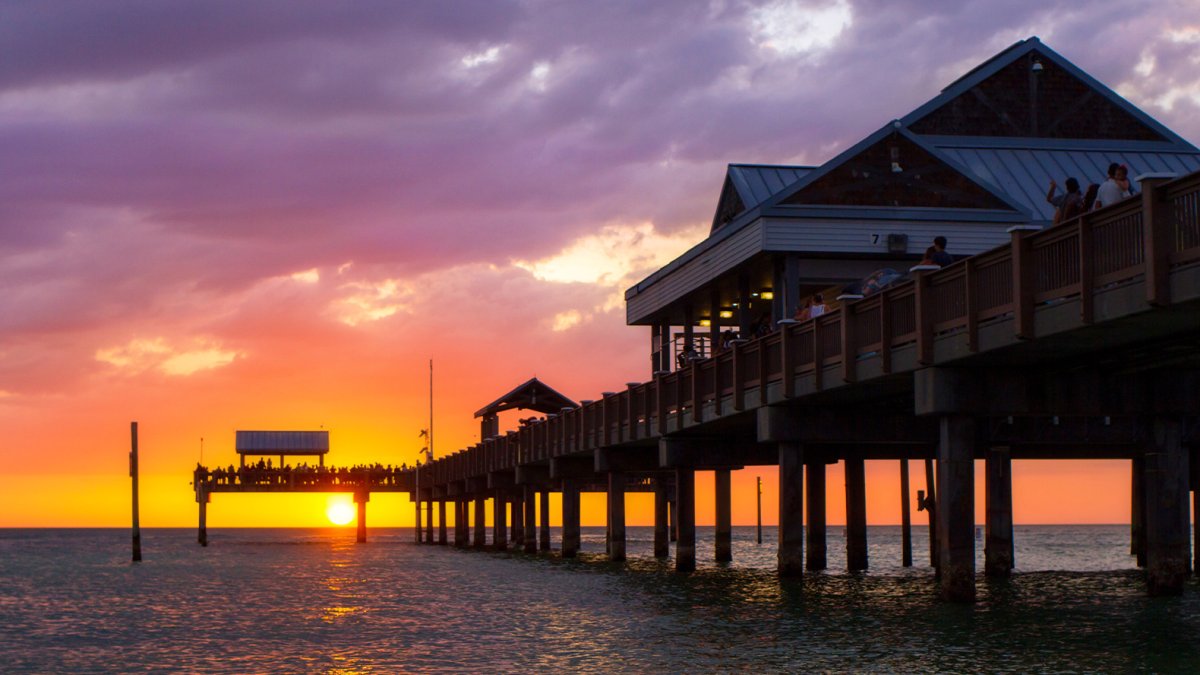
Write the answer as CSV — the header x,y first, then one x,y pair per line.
x,y
775,203
282,442
756,183
1025,172
993,65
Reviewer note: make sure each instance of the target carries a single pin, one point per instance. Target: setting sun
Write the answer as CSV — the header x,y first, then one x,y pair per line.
x,y
340,512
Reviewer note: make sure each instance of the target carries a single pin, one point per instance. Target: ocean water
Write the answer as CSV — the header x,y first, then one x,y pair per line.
x,y
284,600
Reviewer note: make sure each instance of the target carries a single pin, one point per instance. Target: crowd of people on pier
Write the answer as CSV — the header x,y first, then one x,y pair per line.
x,y
1115,187
263,474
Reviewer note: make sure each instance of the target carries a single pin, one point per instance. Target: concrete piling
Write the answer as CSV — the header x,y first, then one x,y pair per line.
x,y
360,500
856,514
529,510
956,507
905,517
815,482
791,510
499,518
685,495
1166,502
1137,513
442,522
544,521
998,545
616,515
722,492
480,521
570,518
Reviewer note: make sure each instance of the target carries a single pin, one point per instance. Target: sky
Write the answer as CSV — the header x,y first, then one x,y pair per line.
x,y
272,215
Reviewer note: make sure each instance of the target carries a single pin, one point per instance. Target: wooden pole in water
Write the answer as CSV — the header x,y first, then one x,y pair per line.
x,y
133,473
759,509
905,518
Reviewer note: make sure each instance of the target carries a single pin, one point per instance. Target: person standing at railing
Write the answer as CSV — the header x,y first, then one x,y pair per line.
x,y
1115,188
818,306
1068,205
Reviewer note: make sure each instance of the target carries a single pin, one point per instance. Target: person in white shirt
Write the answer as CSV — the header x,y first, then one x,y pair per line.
x,y
1115,188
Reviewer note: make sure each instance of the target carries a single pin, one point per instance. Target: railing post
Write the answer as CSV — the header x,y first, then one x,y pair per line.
x,y
1156,239
885,333
787,358
697,393
971,288
922,308
1022,270
660,401
739,376
849,346
1087,270
816,353
633,416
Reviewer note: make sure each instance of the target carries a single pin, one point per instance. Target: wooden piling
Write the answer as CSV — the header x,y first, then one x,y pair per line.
x,y
661,545
815,492
905,518
429,522
480,521
530,512
998,545
544,521
202,498
499,518
570,518
791,510
361,499
616,515
133,474
722,492
685,495
856,514
931,511
517,531
442,522
1166,503
758,509
1137,518
956,508
417,519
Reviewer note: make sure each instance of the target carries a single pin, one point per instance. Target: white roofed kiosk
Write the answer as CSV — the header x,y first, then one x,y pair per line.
x,y
968,165
283,444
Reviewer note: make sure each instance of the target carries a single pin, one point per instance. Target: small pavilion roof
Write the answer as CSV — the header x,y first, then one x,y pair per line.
x,y
532,394
282,442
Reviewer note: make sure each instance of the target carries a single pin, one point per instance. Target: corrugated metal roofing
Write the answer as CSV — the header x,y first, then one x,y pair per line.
x,y
1025,173
755,183
282,442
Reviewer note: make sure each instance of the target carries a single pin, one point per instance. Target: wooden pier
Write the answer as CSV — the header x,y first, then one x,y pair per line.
x,y
1055,346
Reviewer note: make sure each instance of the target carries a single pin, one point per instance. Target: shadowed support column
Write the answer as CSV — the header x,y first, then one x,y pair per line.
x,y
203,498
1137,511
429,522
905,518
458,522
724,516
499,518
931,511
856,514
442,522
480,521
672,518
1166,490
662,547
517,532
791,510
816,514
998,547
417,520
956,508
361,499
544,522
570,518
616,515
685,495
530,513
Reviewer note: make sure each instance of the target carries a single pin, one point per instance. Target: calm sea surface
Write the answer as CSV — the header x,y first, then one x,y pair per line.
x,y
314,601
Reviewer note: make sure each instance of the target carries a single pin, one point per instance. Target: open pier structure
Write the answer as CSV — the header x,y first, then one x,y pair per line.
x,y
1077,339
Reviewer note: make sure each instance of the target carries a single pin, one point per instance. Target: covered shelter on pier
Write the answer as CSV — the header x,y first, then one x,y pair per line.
x,y
282,444
968,165
533,394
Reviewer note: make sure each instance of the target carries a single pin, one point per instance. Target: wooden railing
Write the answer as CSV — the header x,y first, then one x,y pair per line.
x,y
1137,239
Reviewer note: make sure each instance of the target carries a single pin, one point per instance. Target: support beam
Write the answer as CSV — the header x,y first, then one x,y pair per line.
x,y
544,521
480,521
722,492
442,522
856,514
905,517
685,495
570,518
1167,531
662,547
361,499
815,479
998,546
530,512
499,524
616,516
1137,516
791,510
956,508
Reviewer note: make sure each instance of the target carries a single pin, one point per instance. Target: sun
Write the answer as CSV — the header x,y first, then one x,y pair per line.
x,y
340,512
